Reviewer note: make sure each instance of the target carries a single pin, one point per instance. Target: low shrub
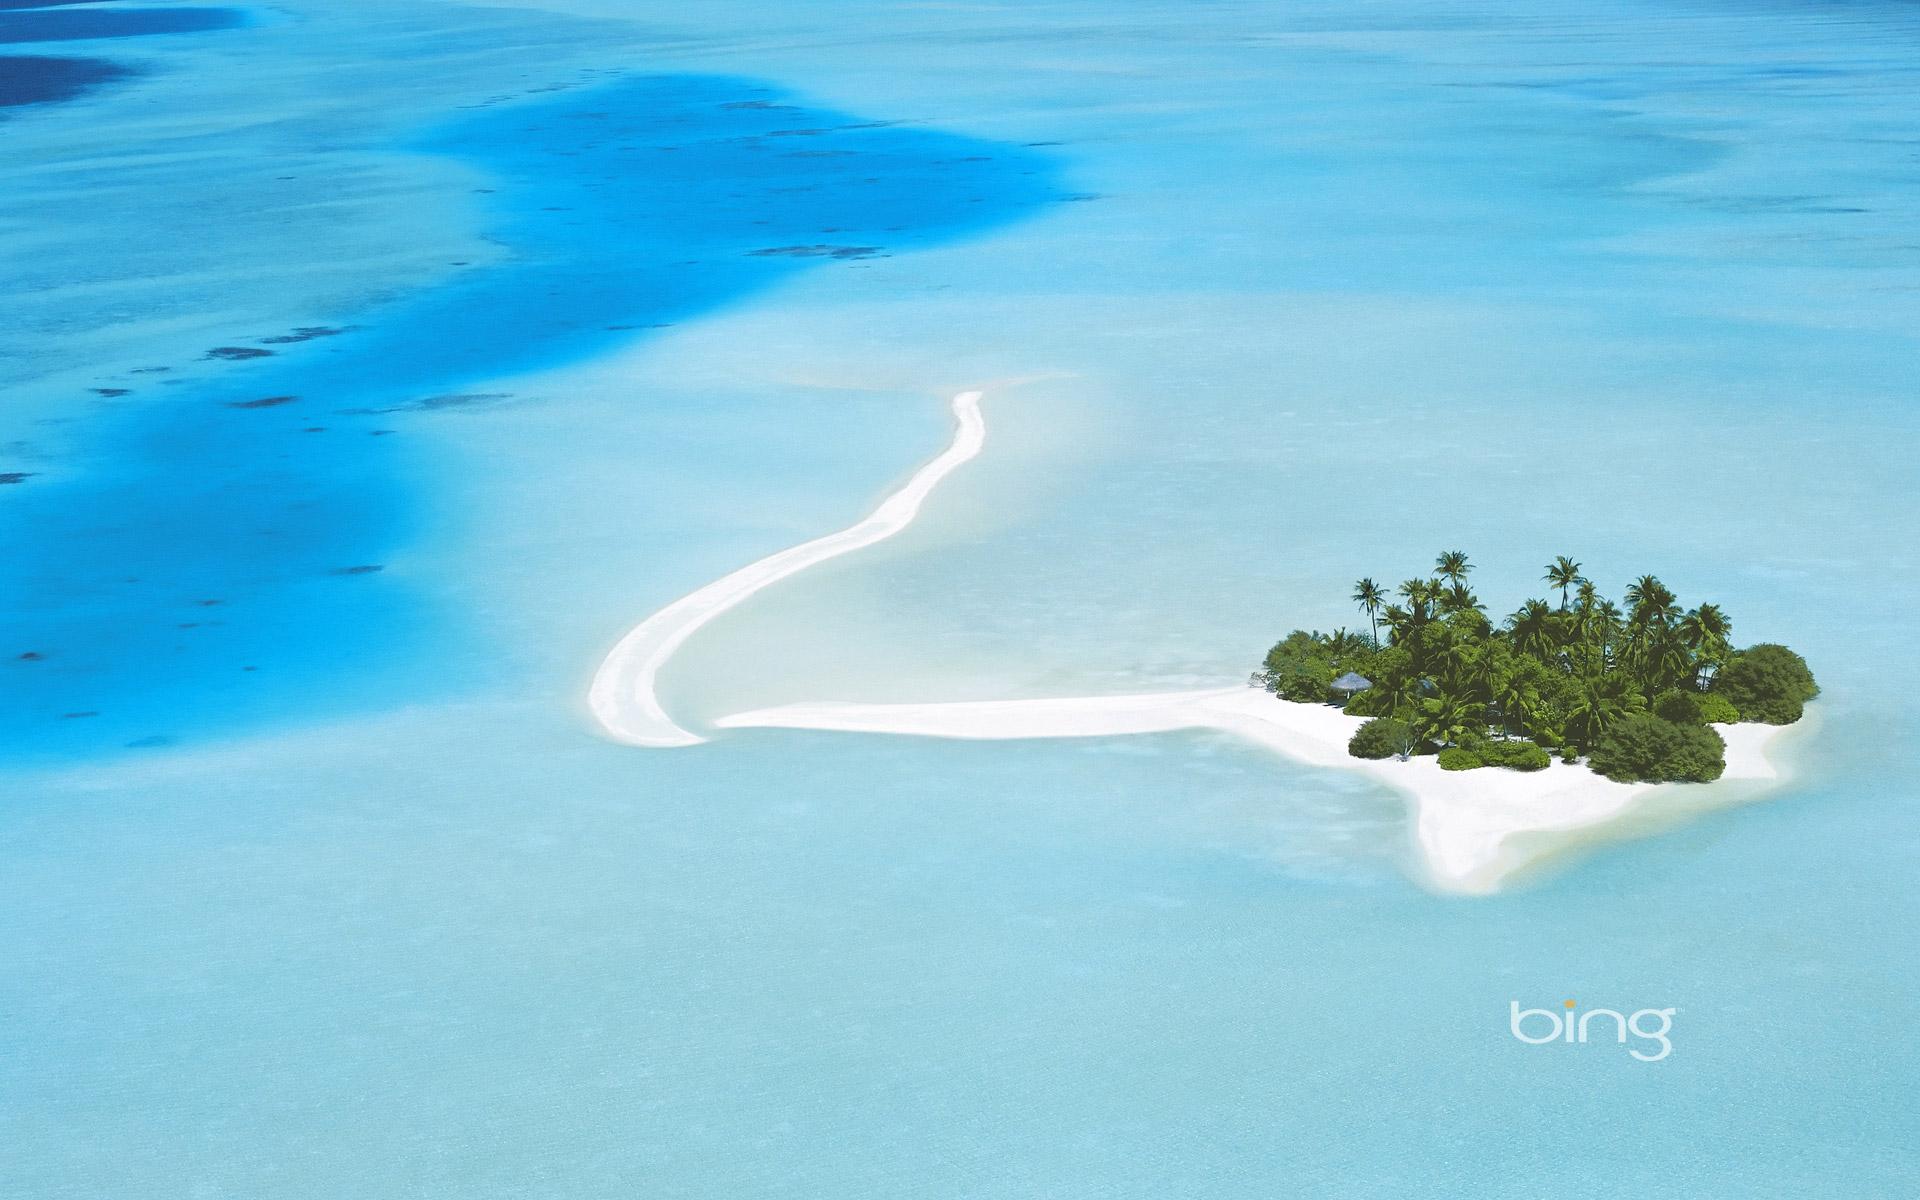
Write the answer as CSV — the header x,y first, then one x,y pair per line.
x,y
1298,668
1650,749
1473,740
1516,756
1682,708
1370,702
1302,685
1716,709
1695,708
1382,737
1458,758
1768,683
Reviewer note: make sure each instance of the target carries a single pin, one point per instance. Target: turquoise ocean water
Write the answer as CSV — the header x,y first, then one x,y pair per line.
x,y
584,303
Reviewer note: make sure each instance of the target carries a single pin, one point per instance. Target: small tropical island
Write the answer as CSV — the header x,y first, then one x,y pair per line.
x,y
1635,693
1654,698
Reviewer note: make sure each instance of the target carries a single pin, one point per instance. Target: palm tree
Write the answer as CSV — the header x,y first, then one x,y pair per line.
x,y
1650,602
1456,664
1531,626
1396,694
1668,663
1451,720
1706,629
1517,701
1563,573
1416,618
1600,703
1452,566
1343,645
1650,611
1586,600
1707,634
1400,624
1419,595
1369,597
1483,674
1603,627
1459,598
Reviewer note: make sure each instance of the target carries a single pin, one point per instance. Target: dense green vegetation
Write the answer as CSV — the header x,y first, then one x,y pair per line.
x,y
1767,683
1516,754
1383,737
1644,746
1634,689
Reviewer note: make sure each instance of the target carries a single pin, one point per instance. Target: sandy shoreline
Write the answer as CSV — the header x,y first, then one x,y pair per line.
x,y
1473,829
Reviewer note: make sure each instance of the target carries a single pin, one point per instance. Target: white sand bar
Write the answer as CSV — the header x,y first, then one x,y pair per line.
x,y
624,696
1472,829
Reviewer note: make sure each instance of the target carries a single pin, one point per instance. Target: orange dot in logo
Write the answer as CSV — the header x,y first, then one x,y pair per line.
x,y
1569,1004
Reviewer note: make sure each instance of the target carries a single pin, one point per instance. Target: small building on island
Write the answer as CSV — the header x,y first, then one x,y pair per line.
x,y
1349,685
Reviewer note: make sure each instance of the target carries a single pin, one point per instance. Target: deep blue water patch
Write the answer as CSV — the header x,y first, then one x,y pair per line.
x,y
29,80
65,25
233,551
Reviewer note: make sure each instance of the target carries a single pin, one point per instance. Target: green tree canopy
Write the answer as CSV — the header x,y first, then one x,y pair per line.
x,y
1564,678
1383,737
1649,749
1767,682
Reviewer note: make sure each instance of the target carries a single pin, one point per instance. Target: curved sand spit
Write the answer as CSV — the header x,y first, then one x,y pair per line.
x,y
1471,829
623,698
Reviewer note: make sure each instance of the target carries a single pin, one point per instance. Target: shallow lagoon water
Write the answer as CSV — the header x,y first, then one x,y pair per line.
x,y
242,533
28,80
66,25
1638,275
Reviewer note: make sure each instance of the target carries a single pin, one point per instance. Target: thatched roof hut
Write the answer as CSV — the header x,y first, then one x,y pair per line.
x,y
1348,684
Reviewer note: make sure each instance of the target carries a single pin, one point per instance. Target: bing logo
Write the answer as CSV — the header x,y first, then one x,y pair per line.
x,y
1541,1026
